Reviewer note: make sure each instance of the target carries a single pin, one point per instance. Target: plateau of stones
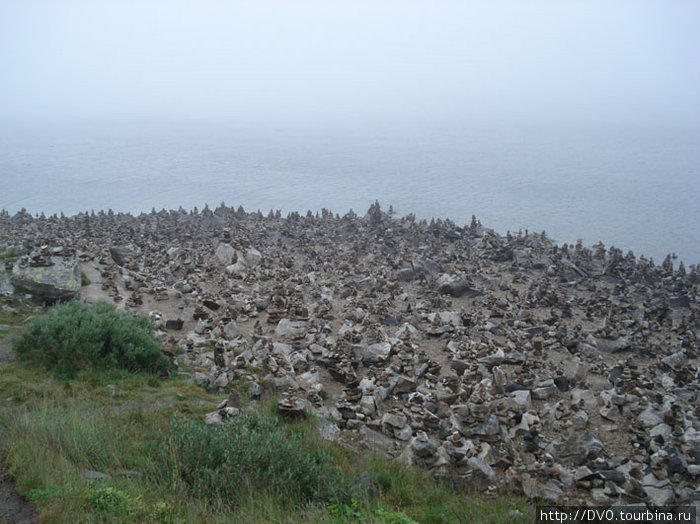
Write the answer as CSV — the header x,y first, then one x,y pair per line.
x,y
566,372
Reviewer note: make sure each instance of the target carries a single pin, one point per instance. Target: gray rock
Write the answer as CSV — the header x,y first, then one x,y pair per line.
x,y
482,473
213,419
650,418
122,255
537,490
292,408
224,254
6,287
375,353
545,390
403,384
577,450
394,420
611,412
90,474
404,433
456,286
375,439
288,329
231,330
254,390
61,281
522,399
489,428
327,430
659,496
423,447
607,345
579,420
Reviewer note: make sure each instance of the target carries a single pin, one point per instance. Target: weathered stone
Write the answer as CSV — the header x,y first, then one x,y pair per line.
x,y
457,286
224,254
578,449
375,353
659,496
579,420
288,329
231,330
174,324
221,381
403,384
213,418
90,474
6,287
482,473
60,281
610,412
545,491
394,420
122,254
522,399
291,408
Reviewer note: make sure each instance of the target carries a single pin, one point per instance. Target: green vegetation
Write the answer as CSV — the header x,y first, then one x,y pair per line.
x,y
259,453
163,465
74,336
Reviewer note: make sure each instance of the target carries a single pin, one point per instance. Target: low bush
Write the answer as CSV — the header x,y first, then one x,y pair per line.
x,y
253,454
74,336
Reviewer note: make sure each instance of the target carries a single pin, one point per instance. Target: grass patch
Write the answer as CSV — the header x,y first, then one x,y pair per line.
x,y
254,453
256,469
75,336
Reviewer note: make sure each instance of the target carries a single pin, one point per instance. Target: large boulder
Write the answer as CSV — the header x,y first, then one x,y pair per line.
x,y
224,254
245,260
456,286
59,281
123,255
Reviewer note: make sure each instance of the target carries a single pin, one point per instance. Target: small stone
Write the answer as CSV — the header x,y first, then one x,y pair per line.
x,y
481,470
174,324
659,496
403,384
663,430
404,433
90,474
288,329
231,330
213,418
579,420
395,420
610,413
536,490
221,381
522,398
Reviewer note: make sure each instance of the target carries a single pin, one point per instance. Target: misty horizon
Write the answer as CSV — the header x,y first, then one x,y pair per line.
x,y
307,63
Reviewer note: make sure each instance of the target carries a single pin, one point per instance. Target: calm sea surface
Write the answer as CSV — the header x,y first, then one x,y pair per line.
x,y
632,188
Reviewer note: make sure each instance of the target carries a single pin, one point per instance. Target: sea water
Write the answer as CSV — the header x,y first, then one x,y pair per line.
x,y
637,188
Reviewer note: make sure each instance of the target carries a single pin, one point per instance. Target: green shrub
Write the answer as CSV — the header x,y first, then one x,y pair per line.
x,y
74,336
253,454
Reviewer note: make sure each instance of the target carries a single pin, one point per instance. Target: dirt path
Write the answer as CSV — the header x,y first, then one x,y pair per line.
x,y
14,508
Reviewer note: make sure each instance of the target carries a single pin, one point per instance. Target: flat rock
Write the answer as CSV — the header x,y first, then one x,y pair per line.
x,y
288,329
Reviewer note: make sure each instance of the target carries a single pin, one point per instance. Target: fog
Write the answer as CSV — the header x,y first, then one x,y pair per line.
x,y
334,62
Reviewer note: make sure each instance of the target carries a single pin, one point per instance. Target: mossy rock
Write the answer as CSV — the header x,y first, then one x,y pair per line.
x,y
58,282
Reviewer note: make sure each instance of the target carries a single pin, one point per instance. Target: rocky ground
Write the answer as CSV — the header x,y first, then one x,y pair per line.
x,y
569,373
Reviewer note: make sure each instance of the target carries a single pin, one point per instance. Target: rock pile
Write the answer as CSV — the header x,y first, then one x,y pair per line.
x,y
495,360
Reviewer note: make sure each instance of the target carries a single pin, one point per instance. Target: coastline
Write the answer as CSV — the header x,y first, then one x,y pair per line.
x,y
567,372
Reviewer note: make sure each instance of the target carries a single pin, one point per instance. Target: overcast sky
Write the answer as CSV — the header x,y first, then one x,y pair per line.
x,y
529,60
